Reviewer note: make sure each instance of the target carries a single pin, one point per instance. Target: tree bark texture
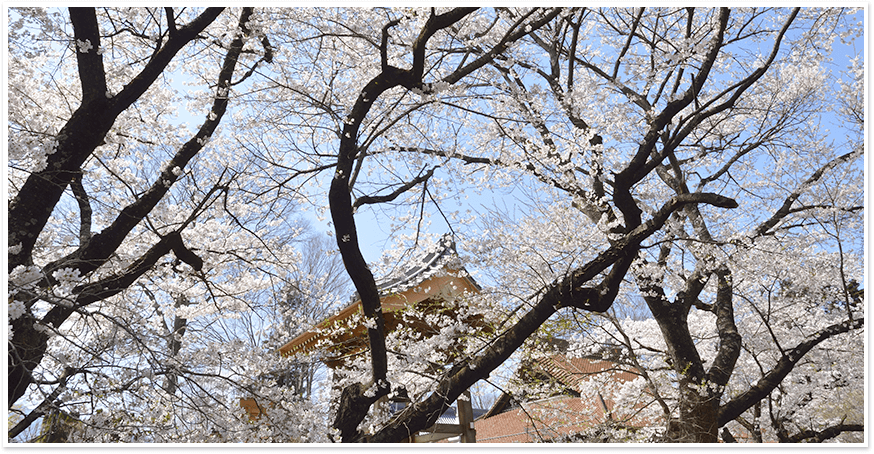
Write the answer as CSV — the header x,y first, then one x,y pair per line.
x,y
354,406
30,210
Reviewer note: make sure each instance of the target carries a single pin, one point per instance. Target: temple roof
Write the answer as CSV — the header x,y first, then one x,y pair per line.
x,y
437,257
436,273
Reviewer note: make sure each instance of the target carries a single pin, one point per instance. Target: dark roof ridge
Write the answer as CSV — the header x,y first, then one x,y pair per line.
x,y
432,258
435,257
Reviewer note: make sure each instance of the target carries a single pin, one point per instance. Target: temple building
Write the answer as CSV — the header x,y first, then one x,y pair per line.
x,y
435,282
430,283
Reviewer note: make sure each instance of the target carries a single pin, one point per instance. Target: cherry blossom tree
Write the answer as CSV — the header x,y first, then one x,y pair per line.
x,y
694,122
699,168
666,151
106,326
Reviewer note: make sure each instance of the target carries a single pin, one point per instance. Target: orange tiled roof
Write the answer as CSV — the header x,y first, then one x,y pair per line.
x,y
571,371
546,419
539,421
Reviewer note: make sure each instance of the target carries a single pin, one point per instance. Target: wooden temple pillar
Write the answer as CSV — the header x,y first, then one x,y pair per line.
x,y
465,418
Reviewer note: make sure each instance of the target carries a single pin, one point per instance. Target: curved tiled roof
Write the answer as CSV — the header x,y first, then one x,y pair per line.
x,y
570,371
438,256
539,421
561,415
438,266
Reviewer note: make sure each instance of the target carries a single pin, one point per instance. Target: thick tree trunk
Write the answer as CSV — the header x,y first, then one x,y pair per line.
x,y
698,406
698,421
353,403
